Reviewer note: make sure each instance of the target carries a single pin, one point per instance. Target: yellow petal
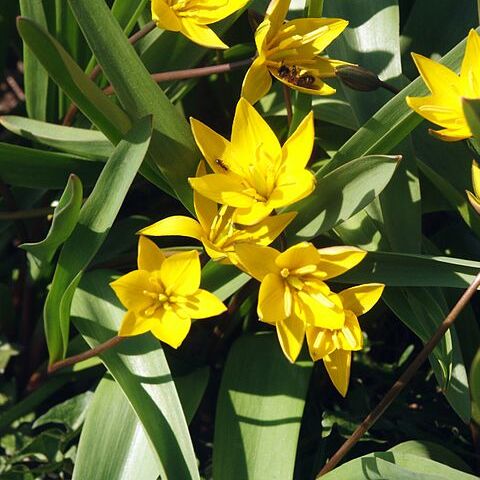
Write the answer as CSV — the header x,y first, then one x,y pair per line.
x,y
200,34
149,257
261,35
212,145
134,324
350,337
361,298
319,342
180,273
298,148
224,189
452,135
291,333
474,201
437,77
170,327
276,13
130,290
338,369
257,212
319,87
265,232
442,110
164,16
292,187
205,209
297,256
476,177
470,71
176,225
203,304
257,82
271,299
251,134
337,260
322,312
258,261
210,11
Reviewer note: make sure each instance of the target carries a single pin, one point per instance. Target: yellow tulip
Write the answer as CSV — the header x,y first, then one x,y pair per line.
x,y
444,106
252,172
290,52
163,295
335,346
293,294
191,18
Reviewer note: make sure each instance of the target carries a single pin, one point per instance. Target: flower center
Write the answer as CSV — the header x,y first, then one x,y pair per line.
x,y
162,301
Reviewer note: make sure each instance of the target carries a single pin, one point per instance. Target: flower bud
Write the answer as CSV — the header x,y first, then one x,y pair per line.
x,y
358,78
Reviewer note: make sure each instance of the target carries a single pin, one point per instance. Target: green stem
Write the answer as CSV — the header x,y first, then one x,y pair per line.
x,y
315,8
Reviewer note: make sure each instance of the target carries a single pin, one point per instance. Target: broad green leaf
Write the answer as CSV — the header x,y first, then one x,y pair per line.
x,y
222,280
475,387
122,451
173,151
471,109
341,194
64,220
139,367
259,411
29,167
78,141
96,217
398,466
35,76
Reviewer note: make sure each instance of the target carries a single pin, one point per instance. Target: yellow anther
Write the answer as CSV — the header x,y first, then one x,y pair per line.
x,y
284,272
162,298
305,270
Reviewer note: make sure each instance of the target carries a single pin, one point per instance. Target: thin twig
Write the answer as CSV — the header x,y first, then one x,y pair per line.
x,y
391,88
26,214
288,104
17,90
192,73
72,111
400,384
68,362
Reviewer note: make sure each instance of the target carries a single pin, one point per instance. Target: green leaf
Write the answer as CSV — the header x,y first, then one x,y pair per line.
x,y
122,451
96,217
471,109
259,411
398,466
28,167
139,367
173,151
70,413
78,141
341,194
64,221
475,386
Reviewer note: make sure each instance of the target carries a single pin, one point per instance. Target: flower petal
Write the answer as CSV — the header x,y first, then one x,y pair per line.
x,y
474,201
442,110
224,189
337,260
338,368
200,34
210,11
258,261
476,177
361,298
176,225
164,16
292,187
257,82
298,148
322,312
297,256
320,342
203,304
452,135
180,273
291,333
319,87
254,214
470,71
271,299
149,257
276,13
265,232
130,290
212,145
134,324
350,336
170,327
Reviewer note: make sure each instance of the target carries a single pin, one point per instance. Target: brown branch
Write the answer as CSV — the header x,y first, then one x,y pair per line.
x,y
400,384
68,362
72,111
192,73
288,104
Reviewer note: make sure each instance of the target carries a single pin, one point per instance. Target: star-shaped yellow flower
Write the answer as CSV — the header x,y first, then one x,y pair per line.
x,y
191,18
444,106
290,52
335,346
216,229
163,295
252,172
293,294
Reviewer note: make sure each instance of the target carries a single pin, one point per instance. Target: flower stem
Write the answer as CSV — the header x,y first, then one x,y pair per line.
x,y
68,362
401,383
288,104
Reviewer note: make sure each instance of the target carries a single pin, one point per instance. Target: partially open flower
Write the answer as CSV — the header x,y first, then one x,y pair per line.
x,y
290,51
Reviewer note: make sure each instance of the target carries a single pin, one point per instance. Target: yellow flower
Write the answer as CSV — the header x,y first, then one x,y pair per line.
x,y
163,295
335,347
191,18
474,198
216,230
252,172
293,294
290,52
444,106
